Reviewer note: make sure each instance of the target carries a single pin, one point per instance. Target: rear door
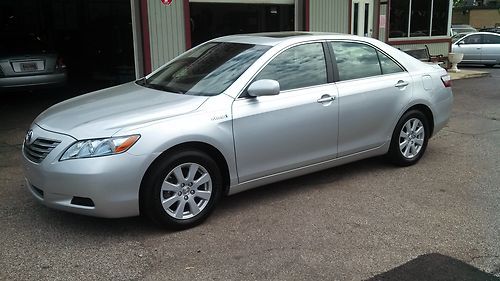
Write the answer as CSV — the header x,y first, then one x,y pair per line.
x,y
491,49
298,127
373,89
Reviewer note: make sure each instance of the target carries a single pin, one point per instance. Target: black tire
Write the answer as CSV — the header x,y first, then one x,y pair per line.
x,y
395,155
152,194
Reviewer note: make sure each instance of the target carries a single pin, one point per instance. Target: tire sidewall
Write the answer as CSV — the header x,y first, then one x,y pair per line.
x,y
152,203
394,152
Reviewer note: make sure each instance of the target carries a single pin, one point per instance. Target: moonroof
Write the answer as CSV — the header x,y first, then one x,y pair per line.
x,y
284,34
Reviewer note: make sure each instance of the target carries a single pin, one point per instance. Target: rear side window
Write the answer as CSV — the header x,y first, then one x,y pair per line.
x,y
388,65
298,67
356,60
491,39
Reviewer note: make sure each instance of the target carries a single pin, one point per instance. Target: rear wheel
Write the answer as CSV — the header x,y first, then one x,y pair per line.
x,y
182,190
409,139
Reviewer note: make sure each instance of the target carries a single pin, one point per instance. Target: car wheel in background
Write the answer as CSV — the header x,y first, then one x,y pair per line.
x,y
409,139
181,190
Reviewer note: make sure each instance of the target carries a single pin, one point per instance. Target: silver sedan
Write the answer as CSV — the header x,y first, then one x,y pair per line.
x,y
232,114
479,48
27,62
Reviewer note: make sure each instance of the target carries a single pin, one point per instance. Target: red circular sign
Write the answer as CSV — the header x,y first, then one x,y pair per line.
x,y
166,2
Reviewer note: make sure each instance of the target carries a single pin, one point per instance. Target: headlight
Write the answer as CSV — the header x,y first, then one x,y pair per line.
x,y
99,147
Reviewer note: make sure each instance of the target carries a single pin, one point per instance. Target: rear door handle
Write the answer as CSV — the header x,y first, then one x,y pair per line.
x,y
326,98
401,84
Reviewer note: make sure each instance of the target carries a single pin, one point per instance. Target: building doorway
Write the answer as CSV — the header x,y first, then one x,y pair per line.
x,y
362,17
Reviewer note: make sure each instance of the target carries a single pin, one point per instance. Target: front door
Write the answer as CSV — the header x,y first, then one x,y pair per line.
x,y
362,18
471,46
298,127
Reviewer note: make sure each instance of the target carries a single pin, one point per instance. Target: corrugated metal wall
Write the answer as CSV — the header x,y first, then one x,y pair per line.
x,y
434,48
329,15
166,31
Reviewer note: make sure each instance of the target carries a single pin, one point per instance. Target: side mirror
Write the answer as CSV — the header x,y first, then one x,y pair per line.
x,y
264,87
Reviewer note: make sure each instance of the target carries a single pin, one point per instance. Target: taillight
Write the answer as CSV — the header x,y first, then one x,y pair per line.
x,y
60,64
446,80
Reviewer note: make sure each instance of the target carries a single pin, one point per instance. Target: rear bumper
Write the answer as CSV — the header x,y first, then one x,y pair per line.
x,y
41,80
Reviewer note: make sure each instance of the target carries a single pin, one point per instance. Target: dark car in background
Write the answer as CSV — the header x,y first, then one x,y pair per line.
x,y
27,62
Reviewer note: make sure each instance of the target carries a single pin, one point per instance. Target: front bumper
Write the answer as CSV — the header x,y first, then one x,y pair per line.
x,y
110,183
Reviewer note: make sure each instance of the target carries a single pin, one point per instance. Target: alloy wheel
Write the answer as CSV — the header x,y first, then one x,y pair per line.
x,y
186,191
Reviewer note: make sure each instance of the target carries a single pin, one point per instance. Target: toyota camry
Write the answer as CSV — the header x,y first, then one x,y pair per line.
x,y
232,114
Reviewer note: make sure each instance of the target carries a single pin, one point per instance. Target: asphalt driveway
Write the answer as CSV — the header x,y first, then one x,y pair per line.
x,y
352,222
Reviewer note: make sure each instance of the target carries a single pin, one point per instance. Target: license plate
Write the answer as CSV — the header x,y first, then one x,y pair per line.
x,y
31,66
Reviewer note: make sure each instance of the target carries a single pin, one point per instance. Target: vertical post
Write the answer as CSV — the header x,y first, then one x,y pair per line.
x,y
146,44
307,15
137,38
187,24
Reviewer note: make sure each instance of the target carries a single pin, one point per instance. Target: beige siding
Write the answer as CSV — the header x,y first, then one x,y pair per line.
x,y
434,48
166,31
329,15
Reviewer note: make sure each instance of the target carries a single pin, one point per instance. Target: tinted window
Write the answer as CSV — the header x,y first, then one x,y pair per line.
x,y
21,44
355,60
388,65
297,67
206,70
473,39
491,39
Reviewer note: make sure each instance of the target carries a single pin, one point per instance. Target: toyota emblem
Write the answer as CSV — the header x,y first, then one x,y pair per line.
x,y
28,137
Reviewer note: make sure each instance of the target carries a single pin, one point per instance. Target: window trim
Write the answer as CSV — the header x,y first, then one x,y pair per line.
x,y
329,77
378,50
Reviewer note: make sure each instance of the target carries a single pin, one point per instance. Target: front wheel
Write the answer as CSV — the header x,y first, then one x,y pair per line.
x,y
409,139
181,190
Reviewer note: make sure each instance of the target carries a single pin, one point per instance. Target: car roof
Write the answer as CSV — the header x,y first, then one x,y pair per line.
x,y
275,38
482,32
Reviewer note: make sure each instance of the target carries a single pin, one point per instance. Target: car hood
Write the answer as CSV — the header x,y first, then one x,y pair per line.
x,y
105,112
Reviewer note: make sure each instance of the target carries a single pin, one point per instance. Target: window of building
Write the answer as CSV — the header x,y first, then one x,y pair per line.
x,y
297,67
417,18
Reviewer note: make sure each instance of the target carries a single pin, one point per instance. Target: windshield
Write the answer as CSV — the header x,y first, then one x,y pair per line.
x,y
206,70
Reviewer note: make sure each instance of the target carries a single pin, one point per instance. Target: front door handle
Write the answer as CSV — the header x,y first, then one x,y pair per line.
x,y
326,98
401,84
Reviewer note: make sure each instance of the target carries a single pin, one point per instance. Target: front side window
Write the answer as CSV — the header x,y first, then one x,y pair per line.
x,y
473,39
298,67
206,70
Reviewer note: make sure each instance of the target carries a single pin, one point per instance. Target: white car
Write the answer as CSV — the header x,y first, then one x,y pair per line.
x,y
479,48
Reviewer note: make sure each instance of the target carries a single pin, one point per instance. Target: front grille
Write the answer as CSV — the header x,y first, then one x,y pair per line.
x,y
39,149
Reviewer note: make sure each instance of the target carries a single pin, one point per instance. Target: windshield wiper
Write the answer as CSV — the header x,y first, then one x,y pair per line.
x,y
141,81
164,88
